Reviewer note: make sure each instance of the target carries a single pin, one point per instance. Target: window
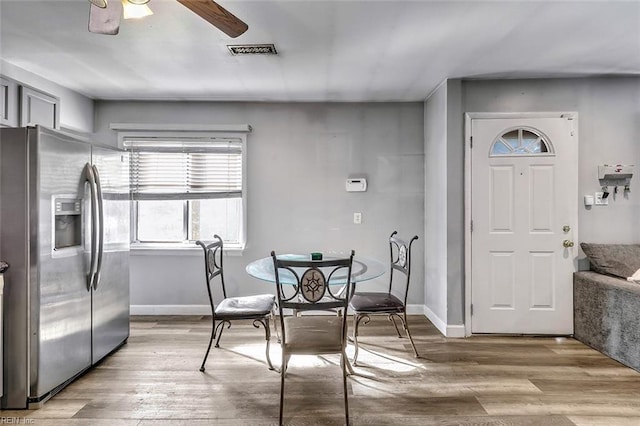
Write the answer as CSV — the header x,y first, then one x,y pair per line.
x,y
520,142
185,188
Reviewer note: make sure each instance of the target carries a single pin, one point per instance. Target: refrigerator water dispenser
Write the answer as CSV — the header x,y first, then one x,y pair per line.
x,y
67,223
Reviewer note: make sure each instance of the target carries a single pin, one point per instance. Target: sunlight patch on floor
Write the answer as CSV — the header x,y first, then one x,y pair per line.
x,y
370,359
257,351
383,361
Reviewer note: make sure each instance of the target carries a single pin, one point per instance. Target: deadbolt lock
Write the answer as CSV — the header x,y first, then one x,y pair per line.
x,y
567,243
566,228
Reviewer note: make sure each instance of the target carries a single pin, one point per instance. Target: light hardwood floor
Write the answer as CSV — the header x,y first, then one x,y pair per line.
x,y
154,380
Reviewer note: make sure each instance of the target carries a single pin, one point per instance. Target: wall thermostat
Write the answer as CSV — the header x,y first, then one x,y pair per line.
x,y
356,185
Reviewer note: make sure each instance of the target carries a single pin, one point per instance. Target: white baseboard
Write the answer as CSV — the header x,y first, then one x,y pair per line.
x,y
454,331
436,320
170,310
415,309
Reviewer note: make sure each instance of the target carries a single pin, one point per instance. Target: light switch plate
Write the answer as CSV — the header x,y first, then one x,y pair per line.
x,y
599,201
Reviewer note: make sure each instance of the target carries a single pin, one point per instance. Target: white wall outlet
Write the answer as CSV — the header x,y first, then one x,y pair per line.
x,y
599,201
357,218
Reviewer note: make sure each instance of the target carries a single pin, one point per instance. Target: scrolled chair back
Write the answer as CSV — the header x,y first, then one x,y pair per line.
x,y
213,255
313,284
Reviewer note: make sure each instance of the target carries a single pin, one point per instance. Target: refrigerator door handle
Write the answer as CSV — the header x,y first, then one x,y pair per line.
x,y
100,233
90,177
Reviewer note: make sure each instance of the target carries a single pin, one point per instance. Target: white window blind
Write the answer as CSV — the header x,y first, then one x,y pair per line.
x,y
179,169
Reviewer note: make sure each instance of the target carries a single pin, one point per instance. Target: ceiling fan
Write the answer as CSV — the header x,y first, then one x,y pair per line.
x,y
105,15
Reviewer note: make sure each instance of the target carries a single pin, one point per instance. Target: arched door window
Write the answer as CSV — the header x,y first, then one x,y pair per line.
x,y
520,141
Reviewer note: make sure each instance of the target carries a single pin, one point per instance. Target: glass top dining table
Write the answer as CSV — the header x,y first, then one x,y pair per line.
x,y
363,269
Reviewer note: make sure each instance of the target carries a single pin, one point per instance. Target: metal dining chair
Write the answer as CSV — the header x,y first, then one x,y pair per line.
x,y
258,308
310,291
365,304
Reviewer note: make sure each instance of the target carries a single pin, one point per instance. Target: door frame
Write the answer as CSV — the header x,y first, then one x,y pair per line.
x,y
468,117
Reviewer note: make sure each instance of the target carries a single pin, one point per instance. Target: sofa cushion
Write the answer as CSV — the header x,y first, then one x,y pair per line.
x,y
605,315
620,260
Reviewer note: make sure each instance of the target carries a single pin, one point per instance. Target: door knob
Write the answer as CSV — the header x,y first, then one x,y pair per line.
x,y
567,243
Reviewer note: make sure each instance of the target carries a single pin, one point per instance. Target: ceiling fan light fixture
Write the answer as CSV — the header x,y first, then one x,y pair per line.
x,y
138,2
135,11
99,3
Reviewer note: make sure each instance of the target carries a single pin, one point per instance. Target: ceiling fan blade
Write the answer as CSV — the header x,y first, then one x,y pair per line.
x,y
99,3
216,15
105,20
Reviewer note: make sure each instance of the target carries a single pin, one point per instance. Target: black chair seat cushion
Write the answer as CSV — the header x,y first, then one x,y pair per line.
x,y
376,303
246,307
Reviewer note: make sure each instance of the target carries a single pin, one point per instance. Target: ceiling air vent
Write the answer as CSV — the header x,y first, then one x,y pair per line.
x,y
252,49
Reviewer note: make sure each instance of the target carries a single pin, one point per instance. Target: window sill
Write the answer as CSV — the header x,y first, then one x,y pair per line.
x,y
177,250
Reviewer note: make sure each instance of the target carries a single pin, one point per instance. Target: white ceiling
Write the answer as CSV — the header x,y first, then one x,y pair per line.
x,y
328,50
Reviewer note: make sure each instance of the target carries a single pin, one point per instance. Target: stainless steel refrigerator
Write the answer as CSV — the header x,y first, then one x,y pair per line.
x,y
64,229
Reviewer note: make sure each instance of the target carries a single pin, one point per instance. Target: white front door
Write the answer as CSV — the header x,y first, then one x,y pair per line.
x,y
524,184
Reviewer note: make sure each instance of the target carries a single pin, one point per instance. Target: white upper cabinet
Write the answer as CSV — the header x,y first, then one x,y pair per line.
x,y
37,107
22,105
8,102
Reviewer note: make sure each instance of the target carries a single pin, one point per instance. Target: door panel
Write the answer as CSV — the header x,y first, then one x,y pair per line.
x,y
542,280
522,193
502,199
60,300
541,207
502,280
111,295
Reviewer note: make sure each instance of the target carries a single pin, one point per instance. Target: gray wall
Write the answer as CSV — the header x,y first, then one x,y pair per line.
x,y
444,194
609,125
455,198
299,156
435,221
299,151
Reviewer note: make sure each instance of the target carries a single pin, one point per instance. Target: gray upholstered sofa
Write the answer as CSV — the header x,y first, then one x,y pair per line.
x,y
606,305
